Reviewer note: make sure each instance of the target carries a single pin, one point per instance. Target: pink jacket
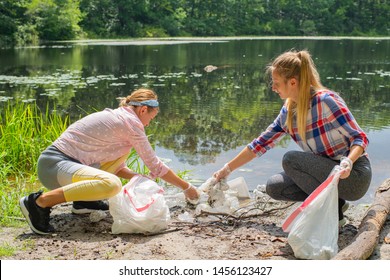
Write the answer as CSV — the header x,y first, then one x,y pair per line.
x,y
108,136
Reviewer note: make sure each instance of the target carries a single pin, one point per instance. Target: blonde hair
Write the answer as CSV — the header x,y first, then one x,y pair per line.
x,y
298,65
139,95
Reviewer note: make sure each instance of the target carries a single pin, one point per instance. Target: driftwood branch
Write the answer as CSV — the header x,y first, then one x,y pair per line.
x,y
232,219
244,215
367,237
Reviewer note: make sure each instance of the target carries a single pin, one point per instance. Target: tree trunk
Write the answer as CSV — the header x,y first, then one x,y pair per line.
x,y
366,239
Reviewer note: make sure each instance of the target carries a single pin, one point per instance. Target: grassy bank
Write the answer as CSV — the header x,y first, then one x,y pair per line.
x,y
25,131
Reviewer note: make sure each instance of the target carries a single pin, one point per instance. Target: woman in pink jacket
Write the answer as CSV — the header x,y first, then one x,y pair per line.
x,y
86,162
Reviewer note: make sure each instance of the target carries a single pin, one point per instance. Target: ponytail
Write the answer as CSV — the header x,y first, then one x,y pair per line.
x,y
298,65
304,95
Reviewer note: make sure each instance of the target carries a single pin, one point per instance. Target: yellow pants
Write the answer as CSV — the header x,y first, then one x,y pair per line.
x,y
92,184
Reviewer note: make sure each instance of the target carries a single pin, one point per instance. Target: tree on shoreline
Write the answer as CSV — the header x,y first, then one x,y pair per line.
x,y
29,21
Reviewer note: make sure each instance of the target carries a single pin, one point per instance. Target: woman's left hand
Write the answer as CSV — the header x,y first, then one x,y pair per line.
x,y
345,173
346,166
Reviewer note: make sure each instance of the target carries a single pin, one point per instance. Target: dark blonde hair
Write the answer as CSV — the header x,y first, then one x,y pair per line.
x,y
139,95
298,65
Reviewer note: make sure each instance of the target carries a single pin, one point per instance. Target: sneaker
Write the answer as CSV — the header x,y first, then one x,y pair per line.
x,y
342,222
37,217
343,206
86,207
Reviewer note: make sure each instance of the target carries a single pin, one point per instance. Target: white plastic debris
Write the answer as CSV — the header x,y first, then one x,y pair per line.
x,y
186,217
259,194
178,199
223,197
202,207
208,185
193,201
239,185
97,216
214,197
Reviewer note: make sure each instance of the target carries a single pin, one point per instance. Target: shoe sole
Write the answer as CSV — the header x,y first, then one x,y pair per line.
x,y
342,222
345,207
26,214
82,211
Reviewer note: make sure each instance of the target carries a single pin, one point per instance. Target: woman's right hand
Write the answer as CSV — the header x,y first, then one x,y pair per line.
x,y
222,173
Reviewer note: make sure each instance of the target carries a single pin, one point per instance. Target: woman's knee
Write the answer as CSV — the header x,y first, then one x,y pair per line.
x,y
112,184
290,158
281,187
105,183
272,187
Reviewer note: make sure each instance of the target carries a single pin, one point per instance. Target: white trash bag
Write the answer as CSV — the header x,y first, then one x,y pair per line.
x,y
139,207
313,227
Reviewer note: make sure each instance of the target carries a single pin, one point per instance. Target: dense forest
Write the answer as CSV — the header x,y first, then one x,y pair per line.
x,y
31,21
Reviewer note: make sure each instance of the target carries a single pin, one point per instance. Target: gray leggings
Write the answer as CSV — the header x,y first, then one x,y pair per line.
x,y
304,172
55,169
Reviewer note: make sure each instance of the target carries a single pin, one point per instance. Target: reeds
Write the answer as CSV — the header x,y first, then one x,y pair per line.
x,y
25,131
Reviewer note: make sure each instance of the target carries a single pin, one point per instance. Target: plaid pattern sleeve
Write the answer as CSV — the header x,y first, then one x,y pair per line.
x,y
268,139
331,129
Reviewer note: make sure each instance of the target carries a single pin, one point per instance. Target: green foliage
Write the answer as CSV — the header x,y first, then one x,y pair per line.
x,y
26,35
11,16
70,19
55,19
24,133
99,17
6,250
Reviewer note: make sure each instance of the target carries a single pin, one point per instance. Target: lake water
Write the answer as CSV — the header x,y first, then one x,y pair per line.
x,y
205,118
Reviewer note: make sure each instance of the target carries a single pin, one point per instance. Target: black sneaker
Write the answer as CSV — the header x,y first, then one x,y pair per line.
x,y
86,207
343,206
37,217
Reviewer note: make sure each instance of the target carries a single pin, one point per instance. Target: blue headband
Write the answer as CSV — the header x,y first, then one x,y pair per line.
x,y
149,103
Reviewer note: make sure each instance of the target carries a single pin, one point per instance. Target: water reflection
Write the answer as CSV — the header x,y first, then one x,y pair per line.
x,y
204,114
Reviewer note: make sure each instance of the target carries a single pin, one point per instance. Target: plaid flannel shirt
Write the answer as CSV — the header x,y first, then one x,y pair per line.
x,y
331,129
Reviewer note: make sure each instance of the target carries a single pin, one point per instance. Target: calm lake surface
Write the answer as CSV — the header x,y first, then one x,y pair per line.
x,y
205,118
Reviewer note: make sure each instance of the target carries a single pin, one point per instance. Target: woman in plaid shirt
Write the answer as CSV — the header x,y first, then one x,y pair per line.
x,y
320,122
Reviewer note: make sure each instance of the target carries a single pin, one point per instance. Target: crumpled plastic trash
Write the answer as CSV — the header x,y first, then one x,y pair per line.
x,y
179,199
260,195
220,197
214,197
206,186
215,190
97,216
186,217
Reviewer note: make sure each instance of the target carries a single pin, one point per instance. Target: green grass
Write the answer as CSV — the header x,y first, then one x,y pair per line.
x,y
25,131
6,250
